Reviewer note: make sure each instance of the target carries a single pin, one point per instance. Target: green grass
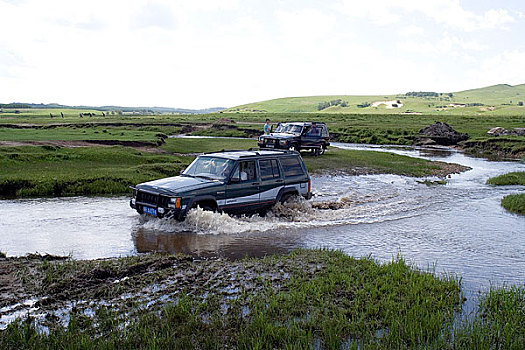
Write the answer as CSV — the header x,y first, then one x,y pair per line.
x,y
498,324
514,203
184,145
362,127
371,162
325,298
514,178
31,171
78,133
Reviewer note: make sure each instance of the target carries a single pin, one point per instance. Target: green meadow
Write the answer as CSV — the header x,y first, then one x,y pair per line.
x,y
33,171
492,100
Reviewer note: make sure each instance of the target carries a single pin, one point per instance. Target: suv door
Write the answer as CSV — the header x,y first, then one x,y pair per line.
x,y
271,181
295,174
242,191
312,137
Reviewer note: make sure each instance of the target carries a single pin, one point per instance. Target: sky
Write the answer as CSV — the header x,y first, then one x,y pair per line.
x,y
223,53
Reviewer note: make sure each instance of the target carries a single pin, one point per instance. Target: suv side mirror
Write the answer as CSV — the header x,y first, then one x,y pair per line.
x,y
235,180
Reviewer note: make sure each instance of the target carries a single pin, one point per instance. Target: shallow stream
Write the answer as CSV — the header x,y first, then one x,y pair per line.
x,y
458,228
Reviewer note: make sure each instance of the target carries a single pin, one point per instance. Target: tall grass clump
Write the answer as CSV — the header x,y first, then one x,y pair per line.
x,y
514,203
498,324
514,178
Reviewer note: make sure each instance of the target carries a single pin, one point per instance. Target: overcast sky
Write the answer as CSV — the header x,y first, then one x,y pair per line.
x,y
207,53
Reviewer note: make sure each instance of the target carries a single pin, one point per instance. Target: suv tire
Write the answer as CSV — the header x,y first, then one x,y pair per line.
x,y
286,197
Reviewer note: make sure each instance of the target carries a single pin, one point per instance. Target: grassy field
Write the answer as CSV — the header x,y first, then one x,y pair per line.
x,y
370,162
33,171
492,100
87,132
353,128
306,299
62,168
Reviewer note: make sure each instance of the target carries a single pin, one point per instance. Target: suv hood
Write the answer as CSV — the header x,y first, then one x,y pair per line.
x,y
177,184
279,135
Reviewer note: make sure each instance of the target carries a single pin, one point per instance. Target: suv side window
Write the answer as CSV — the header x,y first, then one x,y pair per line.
x,y
314,131
291,166
245,171
324,132
269,169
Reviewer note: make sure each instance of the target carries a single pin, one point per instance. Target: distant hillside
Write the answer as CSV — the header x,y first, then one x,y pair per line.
x,y
496,99
152,110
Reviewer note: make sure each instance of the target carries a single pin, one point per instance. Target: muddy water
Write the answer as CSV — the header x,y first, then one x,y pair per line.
x,y
457,228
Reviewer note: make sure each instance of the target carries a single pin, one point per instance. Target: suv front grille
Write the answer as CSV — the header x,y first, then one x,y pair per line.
x,y
153,199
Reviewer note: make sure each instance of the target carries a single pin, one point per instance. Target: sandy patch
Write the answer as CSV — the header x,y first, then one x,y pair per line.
x,y
388,104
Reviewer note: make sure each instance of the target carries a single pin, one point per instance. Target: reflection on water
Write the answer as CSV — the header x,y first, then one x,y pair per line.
x,y
227,246
457,228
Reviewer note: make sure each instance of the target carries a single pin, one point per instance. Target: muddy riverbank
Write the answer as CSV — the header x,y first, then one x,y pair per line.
x,y
320,296
308,298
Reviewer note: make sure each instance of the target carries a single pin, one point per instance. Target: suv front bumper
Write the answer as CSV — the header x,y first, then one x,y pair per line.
x,y
157,211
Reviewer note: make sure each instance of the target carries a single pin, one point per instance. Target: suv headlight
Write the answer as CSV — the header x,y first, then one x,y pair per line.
x,y
174,202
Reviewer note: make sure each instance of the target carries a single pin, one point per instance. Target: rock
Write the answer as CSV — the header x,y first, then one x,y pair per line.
x,y
497,131
441,134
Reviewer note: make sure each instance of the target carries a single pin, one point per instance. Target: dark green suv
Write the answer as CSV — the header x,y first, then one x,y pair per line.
x,y
234,182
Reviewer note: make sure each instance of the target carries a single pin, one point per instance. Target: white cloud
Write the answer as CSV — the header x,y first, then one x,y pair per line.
x,y
447,46
506,67
204,53
411,30
446,12
378,12
305,25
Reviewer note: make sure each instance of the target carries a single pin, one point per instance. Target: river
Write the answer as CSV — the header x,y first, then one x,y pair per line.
x,y
458,228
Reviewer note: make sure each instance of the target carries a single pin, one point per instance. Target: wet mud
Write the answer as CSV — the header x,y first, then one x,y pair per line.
x,y
47,287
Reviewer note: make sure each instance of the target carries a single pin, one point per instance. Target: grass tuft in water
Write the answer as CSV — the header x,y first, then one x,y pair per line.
x,y
514,203
498,324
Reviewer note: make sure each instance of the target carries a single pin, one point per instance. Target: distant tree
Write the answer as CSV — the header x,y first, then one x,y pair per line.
x,y
344,104
422,94
450,94
520,103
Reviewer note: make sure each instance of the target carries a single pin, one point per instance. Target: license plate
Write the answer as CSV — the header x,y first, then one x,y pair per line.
x,y
269,146
150,211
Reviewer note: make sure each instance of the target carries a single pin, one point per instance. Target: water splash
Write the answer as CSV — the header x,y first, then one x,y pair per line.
x,y
297,213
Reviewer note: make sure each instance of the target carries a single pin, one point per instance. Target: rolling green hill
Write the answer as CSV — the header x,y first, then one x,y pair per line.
x,y
497,99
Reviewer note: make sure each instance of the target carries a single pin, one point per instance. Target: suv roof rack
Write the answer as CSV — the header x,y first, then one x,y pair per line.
x,y
253,149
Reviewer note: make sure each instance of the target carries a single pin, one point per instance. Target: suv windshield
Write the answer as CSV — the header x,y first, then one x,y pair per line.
x,y
289,128
214,168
